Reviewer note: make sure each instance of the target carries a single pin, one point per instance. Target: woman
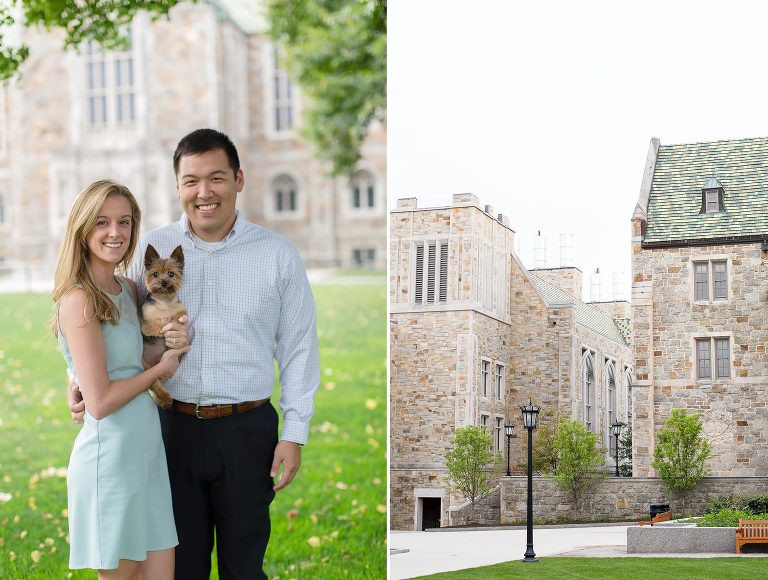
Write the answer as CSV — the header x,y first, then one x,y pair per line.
x,y
120,514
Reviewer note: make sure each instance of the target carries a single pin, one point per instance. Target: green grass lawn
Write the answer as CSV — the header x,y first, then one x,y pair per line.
x,y
329,523
624,568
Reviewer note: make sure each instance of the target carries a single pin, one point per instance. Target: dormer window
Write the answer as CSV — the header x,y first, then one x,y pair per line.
x,y
712,197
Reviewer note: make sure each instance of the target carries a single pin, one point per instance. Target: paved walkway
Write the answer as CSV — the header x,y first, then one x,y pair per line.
x,y
432,552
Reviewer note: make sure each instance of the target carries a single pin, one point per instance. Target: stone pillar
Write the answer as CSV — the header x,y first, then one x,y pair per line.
x,y
642,342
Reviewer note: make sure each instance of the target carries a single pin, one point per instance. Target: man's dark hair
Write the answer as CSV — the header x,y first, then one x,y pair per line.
x,y
202,141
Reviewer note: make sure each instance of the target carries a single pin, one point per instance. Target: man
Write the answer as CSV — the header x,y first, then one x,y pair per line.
x,y
249,303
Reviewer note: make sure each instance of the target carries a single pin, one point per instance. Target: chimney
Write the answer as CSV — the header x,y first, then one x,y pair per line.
x,y
566,250
594,286
540,252
465,199
406,203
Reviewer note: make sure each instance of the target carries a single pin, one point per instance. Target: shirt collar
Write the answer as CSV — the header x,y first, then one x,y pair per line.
x,y
187,231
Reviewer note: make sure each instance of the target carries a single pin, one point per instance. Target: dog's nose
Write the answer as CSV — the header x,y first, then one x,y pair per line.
x,y
164,283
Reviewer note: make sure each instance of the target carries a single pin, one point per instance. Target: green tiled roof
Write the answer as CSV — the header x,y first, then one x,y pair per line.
x,y
625,327
586,315
682,171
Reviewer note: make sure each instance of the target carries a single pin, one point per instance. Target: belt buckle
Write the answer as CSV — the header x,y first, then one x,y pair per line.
x,y
197,411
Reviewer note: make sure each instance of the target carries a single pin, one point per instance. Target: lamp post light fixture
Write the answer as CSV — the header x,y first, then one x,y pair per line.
x,y
508,431
530,413
616,430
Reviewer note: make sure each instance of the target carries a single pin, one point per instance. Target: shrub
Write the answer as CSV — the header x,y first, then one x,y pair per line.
x,y
681,452
472,467
580,462
757,503
729,518
544,452
753,503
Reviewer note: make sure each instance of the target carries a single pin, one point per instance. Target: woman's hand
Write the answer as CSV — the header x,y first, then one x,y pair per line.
x,y
170,361
176,333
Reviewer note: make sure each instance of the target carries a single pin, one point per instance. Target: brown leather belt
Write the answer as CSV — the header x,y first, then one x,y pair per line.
x,y
215,411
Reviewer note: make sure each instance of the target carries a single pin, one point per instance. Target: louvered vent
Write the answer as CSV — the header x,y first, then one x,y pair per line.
x,y
444,272
419,273
431,274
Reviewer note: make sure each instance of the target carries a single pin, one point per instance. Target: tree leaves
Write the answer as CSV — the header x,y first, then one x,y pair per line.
x,y
681,451
337,51
472,467
101,21
580,462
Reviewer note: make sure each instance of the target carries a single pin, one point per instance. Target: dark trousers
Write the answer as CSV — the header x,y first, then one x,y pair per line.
x,y
219,471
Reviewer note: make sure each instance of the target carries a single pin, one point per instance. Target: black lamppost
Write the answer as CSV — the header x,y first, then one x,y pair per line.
x,y
530,412
508,430
616,430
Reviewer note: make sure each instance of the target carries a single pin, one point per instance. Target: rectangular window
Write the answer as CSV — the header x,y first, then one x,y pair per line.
x,y
721,280
282,93
499,381
499,432
720,347
703,359
723,357
484,371
484,423
432,264
702,281
711,280
110,90
713,201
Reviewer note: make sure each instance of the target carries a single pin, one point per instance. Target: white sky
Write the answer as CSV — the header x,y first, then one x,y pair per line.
x,y
545,110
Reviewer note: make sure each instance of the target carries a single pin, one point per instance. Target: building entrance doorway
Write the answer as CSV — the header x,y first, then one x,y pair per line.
x,y
430,512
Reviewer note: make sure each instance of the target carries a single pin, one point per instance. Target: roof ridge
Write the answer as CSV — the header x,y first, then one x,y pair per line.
x,y
742,140
577,302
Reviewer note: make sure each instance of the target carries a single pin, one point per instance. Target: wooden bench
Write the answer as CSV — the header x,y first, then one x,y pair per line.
x,y
662,517
751,532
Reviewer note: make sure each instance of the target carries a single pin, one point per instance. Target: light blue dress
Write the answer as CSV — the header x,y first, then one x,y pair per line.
x,y
119,496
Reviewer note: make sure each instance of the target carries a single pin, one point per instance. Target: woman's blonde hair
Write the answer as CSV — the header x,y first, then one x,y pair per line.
x,y
73,267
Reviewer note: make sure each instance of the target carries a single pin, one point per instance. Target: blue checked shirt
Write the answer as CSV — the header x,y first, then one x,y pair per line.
x,y
249,304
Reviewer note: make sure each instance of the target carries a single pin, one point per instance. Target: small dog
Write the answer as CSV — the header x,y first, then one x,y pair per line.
x,y
163,278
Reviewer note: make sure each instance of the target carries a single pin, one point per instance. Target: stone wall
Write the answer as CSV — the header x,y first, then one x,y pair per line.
x,y
55,152
437,349
666,322
486,510
615,498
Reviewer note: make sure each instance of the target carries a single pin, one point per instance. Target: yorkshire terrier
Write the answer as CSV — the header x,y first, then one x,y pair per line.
x,y
163,278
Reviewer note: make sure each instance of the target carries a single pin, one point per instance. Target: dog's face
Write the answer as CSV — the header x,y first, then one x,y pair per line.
x,y
163,275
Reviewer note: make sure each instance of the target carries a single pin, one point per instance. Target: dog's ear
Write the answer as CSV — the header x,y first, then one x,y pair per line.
x,y
150,256
178,255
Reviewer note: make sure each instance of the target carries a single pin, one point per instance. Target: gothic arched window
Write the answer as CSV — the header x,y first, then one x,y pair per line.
x,y
285,193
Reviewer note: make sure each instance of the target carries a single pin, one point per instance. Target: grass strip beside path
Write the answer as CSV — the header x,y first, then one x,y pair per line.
x,y
623,568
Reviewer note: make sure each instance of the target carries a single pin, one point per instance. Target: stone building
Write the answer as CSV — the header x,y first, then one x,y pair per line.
x,y
700,286
473,335
76,117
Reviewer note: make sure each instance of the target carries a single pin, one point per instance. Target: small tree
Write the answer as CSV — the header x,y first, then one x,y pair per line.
x,y
580,462
472,467
625,453
681,452
544,452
